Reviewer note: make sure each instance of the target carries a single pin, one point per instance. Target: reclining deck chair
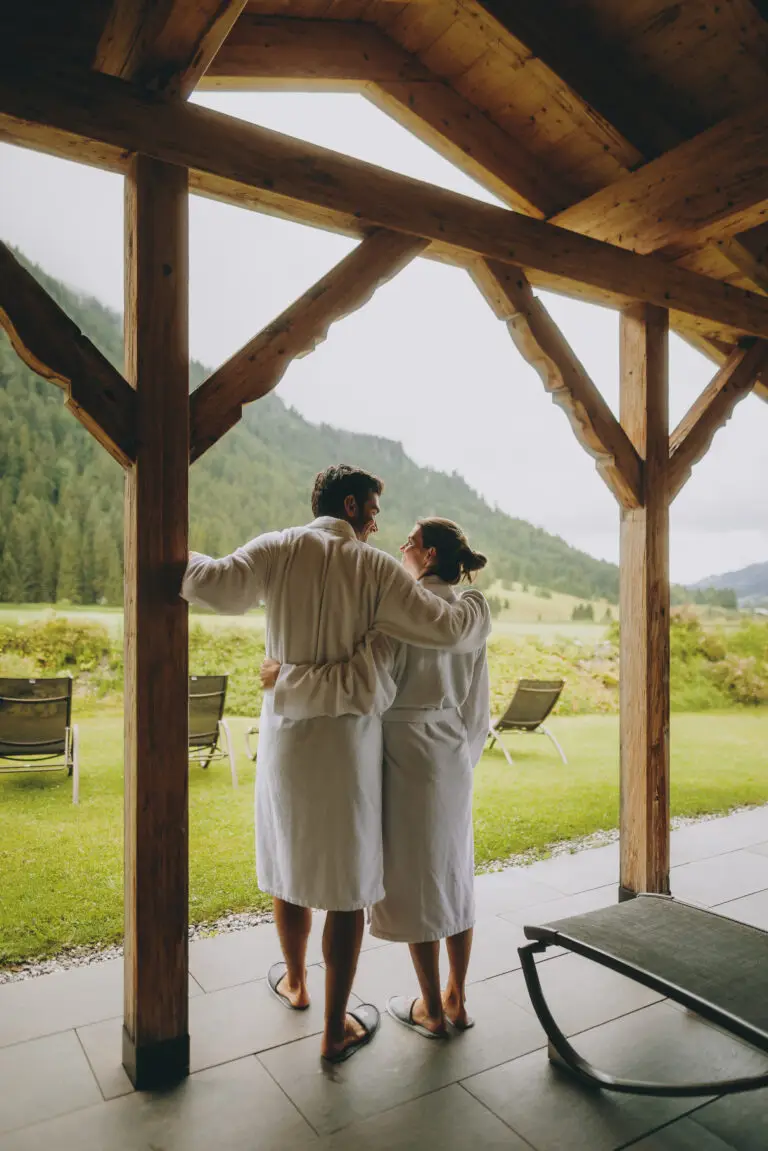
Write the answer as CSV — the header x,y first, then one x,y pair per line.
x,y
532,702
207,727
714,966
36,730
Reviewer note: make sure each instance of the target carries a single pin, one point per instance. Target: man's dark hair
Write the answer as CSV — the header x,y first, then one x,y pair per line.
x,y
336,483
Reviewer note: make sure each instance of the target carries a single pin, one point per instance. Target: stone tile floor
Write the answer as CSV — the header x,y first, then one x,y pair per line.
x,y
257,1082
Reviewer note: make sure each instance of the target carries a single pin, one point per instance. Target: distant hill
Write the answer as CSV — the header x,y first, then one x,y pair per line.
x,y
750,583
61,495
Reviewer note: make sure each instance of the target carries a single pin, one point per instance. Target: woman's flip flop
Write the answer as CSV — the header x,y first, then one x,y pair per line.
x,y
401,1009
370,1020
274,975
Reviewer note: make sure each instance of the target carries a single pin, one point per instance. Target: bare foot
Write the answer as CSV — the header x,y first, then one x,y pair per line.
x,y
296,994
353,1031
419,1014
456,1011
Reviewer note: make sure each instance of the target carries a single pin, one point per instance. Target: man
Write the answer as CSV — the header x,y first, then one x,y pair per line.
x,y
319,782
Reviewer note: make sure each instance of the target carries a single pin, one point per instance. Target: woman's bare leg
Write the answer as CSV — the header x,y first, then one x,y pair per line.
x,y
342,938
293,927
428,1011
454,998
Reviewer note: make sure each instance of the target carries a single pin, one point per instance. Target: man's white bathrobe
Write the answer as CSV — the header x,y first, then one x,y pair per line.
x,y
434,733
319,783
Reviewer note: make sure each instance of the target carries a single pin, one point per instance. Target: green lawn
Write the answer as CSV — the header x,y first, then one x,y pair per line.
x,y
61,866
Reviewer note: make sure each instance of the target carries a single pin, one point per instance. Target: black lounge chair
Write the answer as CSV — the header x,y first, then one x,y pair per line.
x,y
36,730
714,966
532,702
208,729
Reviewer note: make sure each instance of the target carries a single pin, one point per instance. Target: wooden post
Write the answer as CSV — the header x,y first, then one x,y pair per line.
x,y
644,609
155,1036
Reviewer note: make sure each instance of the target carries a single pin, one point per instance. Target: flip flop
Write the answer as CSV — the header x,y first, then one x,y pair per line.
x,y
274,975
401,1010
461,1026
370,1020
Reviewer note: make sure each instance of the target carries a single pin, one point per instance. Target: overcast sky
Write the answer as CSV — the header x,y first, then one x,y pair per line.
x,y
425,362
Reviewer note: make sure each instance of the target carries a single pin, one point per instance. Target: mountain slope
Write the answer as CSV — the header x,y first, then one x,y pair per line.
x,y
749,583
61,495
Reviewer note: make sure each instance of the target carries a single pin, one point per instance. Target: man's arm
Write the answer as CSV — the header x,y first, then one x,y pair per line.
x,y
361,685
235,583
409,612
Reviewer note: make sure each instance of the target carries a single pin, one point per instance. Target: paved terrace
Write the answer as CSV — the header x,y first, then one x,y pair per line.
x,y
257,1081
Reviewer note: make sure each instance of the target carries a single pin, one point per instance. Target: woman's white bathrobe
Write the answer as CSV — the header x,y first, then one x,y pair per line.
x,y
434,734
318,792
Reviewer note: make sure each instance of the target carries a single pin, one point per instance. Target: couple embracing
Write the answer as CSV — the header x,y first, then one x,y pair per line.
x,y
375,713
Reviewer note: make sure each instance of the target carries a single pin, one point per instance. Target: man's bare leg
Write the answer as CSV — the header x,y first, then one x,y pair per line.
x,y
428,1011
342,938
454,999
293,927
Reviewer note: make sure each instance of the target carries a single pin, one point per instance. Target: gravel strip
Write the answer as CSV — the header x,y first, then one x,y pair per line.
x,y
87,956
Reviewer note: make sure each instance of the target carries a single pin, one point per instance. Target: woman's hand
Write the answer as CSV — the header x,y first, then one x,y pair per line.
x,y
269,671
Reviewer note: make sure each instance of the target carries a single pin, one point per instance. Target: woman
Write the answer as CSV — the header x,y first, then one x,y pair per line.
x,y
435,723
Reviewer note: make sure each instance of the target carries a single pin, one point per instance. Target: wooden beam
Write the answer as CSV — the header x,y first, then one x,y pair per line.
x,y
156,1033
257,368
282,52
51,344
748,253
598,74
713,185
540,342
644,611
267,53
164,44
247,164
692,437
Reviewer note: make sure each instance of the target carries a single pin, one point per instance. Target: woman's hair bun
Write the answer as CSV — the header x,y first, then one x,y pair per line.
x,y
472,561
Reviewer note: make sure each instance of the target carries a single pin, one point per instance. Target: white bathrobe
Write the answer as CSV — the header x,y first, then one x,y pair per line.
x,y
318,793
434,734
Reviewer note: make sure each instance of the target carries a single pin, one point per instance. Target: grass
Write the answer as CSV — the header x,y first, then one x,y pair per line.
x,y
61,865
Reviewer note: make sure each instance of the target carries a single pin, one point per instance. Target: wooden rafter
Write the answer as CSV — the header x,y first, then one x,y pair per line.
x,y
713,185
257,368
274,173
164,44
51,344
714,407
274,52
540,341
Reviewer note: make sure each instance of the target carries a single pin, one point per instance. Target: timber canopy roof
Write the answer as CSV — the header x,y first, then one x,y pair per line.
x,y
643,124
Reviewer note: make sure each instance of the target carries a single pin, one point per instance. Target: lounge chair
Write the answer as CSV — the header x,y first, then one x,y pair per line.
x,y
208,729
36,730
714,966
532,702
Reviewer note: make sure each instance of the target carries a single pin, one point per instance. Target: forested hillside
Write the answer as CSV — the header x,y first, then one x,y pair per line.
x,y
61,494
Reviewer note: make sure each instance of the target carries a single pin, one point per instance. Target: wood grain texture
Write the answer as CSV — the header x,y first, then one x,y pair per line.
x,y
257,368
164,44
540,342
156,679
693,436
713,185
249,164
51,344
644,609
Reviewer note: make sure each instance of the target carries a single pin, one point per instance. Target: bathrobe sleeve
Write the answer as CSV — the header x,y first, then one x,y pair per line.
x,y
476,709
234,584
364,684
409,612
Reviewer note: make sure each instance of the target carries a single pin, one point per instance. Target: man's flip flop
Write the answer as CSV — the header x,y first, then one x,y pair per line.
x,y
401,1009
370,1020
274,975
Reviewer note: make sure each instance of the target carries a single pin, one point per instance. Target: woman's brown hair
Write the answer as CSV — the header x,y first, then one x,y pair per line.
x,y
454,558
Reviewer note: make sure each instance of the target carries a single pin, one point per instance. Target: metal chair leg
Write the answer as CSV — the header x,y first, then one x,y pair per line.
x,y
74,753
249,751
497,739
547,732
224,728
